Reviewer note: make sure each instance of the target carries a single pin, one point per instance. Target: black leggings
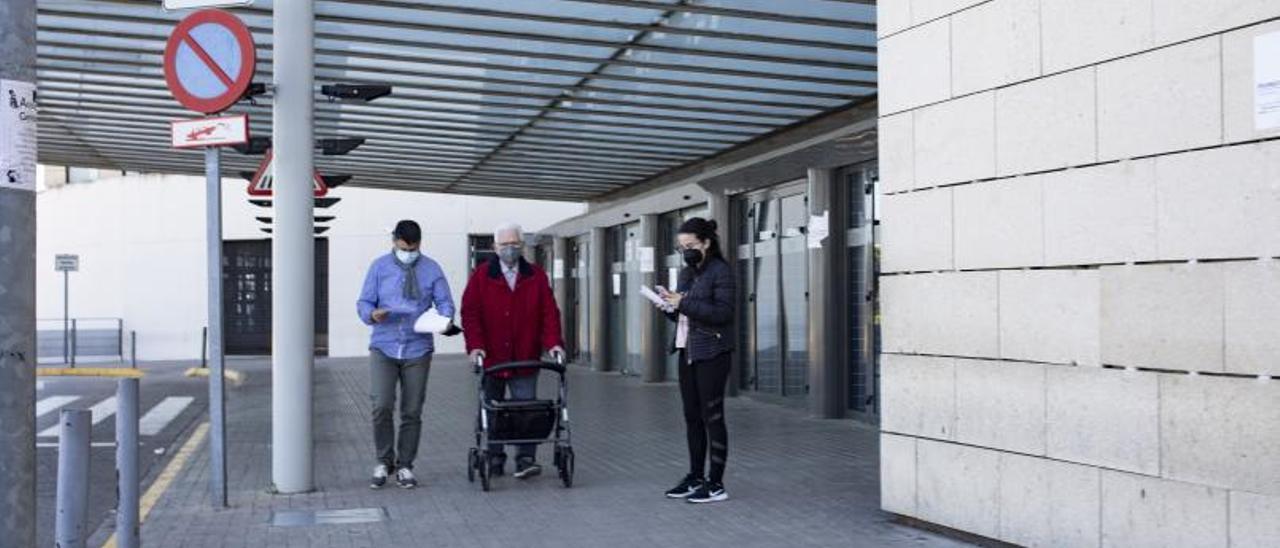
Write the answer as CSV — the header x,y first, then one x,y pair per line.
x,y
702,386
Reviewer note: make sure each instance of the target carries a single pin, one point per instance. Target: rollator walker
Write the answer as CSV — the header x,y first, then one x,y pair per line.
x,y
521,422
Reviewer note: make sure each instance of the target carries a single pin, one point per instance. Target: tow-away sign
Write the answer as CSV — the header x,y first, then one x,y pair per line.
x,y
210,132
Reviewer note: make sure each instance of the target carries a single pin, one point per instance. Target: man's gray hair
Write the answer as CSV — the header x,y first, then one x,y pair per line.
x,y
507,227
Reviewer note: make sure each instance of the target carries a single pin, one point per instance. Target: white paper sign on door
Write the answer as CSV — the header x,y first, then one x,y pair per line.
x,y
1266,81
18,135
617,285
557,269
646,259
819,229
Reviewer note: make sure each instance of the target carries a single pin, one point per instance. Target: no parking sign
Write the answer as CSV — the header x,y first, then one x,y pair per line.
x,y
209,61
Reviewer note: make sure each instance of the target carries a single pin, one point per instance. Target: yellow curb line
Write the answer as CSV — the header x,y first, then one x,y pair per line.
x,y
237,378
166,477
124,372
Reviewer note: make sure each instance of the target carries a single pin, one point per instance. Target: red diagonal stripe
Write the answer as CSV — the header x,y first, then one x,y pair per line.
x,y
204,56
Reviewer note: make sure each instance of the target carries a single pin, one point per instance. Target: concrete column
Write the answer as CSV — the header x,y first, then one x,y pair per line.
x,y
598,273
293,252
827,367
17,307
651,343
560,283
719,211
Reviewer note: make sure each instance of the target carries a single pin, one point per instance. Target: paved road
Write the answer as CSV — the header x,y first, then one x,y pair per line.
x,y
170,403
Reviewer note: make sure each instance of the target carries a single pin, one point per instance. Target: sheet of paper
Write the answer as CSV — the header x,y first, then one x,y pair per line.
x,y
646,259
1266,81
18,135
819,229
557,269
617,285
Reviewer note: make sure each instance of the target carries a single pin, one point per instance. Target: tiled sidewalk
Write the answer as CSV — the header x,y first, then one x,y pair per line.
x,y
794,481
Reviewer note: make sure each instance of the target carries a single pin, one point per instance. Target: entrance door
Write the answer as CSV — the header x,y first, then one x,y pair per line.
x,y
617,305
774,266
582,298
246,296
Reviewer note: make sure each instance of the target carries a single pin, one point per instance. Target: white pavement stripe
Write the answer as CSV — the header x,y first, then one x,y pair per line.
x,y
95,445
99,413
51,403
162,414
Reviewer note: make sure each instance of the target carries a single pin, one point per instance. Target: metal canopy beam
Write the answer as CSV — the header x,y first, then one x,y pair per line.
x,y
508,100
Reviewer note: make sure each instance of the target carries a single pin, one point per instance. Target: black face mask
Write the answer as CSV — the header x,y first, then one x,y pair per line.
x,y
692,257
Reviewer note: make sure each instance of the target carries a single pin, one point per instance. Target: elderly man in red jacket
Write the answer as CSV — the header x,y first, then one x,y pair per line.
x,y
509,314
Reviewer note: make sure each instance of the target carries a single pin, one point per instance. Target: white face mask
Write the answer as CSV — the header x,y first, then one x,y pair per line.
x,y
406,257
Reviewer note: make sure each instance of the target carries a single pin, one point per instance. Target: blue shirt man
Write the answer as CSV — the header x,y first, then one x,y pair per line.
x,y
399,287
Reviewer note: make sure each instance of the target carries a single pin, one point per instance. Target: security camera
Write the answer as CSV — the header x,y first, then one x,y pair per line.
x,y
355,92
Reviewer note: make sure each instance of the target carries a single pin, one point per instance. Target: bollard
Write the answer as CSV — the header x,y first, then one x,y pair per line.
x,y
73,343
133,349
73,478
127,507
204,348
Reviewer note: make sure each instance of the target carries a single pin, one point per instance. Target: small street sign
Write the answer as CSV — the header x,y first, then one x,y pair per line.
x,y
263,179
210,132
66,263
209,61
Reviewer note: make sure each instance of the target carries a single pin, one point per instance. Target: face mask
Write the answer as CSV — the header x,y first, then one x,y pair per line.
x,y
406,257
692,257
509,254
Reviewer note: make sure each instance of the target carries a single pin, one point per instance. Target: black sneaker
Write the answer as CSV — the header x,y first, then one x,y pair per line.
x,y
709,492
406,479
526,469
379,477
688,486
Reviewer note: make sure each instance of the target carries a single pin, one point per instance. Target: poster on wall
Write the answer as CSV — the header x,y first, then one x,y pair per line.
x,y
1266,81
18,135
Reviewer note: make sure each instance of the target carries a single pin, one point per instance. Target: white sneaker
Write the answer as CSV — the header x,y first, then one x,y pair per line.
x,y
405,478
379,477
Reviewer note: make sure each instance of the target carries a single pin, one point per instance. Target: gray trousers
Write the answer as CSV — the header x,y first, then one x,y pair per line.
x,y
411,375
521,388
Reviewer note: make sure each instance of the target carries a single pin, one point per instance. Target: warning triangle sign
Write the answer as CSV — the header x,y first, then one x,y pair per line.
x,y
263,179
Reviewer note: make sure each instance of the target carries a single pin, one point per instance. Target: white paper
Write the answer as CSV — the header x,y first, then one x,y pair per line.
x,y
18,135
646,260
431,322
617,285
557,269
655,298
1266,81
819,229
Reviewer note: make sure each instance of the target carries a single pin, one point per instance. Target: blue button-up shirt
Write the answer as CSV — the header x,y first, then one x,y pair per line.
x,y
384,288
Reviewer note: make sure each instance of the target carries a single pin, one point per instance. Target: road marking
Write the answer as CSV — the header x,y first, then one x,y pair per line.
x,y
53,402
96,444
99,413
166,477
159,416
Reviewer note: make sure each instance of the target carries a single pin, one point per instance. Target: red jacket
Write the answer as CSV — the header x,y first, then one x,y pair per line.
x,y
510,325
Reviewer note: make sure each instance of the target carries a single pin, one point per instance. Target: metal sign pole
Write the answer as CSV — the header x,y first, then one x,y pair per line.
x,y
66,316
217,392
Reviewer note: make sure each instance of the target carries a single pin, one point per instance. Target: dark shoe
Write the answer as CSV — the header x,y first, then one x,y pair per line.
x,y
526,469
497,468
406,479
379,477
688,486
709,492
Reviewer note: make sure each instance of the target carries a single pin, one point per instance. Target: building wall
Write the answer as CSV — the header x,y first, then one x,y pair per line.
x,y
1081,299
142,251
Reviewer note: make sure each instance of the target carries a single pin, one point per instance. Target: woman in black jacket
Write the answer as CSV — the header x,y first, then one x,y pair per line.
x,y
703,309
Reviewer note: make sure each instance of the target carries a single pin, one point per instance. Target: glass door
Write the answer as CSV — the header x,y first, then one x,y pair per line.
x,y
582,298
863,337
794,293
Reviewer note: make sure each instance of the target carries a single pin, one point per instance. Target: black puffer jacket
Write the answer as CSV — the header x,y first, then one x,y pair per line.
x,y
709,297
